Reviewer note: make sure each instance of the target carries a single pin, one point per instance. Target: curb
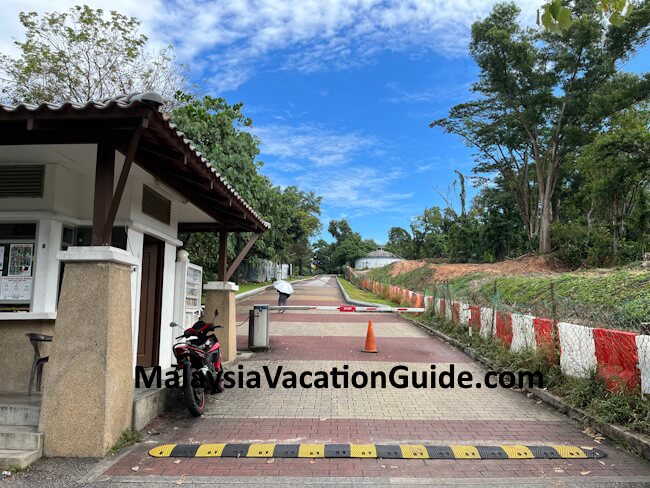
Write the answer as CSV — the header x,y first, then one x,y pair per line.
x,y
635,442
350,300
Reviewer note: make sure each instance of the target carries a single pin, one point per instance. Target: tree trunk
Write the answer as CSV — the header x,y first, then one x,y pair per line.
x,y
546,217
590,222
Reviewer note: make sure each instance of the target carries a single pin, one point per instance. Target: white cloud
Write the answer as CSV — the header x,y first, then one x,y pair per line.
x,y
325,161
447,90
422,168
357,191
308,143
232,40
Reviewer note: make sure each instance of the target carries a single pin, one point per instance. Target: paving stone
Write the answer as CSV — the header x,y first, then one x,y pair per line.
x,y
310,341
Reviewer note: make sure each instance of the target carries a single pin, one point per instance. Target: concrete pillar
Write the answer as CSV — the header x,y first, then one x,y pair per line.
x,y
221,295
88,395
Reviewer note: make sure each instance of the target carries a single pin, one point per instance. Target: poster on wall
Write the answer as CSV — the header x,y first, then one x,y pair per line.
x,y
16,288
20,260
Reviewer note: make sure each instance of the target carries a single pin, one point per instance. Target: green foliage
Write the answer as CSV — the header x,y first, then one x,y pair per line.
x,y
347,247
542,98
623,407
220,131
222,134
620,298
127,438
400,243
85,54
555,17
558,18
421,278
577,246
615,168
363,295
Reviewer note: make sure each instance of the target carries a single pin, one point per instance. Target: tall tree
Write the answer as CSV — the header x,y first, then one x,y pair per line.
x,y
548,90
348,246
222,134
400,242
85,54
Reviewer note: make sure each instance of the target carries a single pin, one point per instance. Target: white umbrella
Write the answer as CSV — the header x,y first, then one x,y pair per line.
x,y
283,287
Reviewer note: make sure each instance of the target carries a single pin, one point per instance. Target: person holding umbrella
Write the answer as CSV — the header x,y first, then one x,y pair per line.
x,y
285,290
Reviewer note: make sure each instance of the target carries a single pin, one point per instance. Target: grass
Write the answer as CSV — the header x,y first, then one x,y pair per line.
x,y
362,295
617,297
14,469
621,297
244,287
128,438
417,279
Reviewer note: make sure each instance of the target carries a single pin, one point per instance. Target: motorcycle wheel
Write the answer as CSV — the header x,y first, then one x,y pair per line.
x,y
220,386
194,397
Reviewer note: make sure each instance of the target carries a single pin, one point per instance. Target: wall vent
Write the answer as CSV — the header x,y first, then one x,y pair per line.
x,y
24,181
155,205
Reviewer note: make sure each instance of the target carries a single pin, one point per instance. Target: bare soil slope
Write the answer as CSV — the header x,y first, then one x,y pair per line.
x,y
519,266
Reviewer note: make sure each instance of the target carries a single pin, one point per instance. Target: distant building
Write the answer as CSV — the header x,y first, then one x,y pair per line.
x,y
376,259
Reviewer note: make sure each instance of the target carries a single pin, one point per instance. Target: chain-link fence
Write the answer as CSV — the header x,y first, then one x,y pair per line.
x,y
583,339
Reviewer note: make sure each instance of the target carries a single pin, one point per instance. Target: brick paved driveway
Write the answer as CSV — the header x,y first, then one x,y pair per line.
x,y
321,340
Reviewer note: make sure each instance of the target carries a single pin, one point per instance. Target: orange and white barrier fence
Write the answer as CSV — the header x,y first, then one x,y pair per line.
x,y
620,358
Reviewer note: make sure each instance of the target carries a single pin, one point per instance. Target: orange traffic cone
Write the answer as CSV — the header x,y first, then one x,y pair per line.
x,y
370,339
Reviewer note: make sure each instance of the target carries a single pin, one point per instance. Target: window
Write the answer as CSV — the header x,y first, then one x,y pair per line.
x,y
17,247
81,236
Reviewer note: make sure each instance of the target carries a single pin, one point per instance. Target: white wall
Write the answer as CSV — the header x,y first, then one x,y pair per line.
x,y
371,262
167,307
134,244
46,266
68,199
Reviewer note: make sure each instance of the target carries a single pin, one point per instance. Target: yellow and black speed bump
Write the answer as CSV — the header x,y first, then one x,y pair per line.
x,y
440,452
374,451
286,450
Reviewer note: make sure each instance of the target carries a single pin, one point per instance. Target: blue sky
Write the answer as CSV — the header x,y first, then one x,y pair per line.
x,y
341,91
360,136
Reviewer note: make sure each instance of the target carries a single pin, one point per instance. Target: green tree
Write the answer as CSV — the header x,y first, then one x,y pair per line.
x,y
323,256
547,92
429,236
616,169
85,54
400,242
347,247
340,229
222,134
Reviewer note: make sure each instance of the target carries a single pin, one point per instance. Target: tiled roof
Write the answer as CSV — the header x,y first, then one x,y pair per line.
x,y
381,254
150,100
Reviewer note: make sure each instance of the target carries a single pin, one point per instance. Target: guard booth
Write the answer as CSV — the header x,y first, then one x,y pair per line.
x,y
93,199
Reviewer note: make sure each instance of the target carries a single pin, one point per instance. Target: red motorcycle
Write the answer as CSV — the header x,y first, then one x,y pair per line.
x,y
198,357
